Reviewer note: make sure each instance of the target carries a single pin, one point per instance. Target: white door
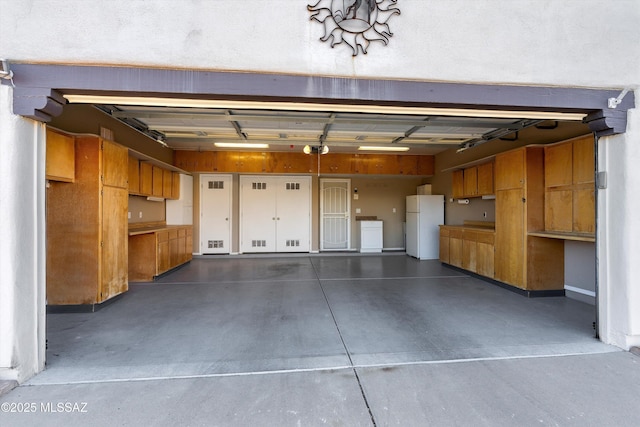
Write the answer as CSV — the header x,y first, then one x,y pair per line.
x,y
215,214
293,214
335,214
275,214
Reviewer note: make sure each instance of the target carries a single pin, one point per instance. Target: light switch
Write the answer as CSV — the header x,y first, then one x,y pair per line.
x,y
129,215
358,210
355,197
394,210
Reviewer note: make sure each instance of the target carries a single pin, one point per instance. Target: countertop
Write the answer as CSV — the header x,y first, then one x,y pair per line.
x,y
135,231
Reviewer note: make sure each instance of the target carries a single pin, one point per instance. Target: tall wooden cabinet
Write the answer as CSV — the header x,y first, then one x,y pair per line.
x,y
87,226
527,262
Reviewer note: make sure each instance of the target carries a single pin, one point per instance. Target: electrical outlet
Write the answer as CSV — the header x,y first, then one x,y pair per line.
x,y
358,210
129,215
394,210
484,214
140,215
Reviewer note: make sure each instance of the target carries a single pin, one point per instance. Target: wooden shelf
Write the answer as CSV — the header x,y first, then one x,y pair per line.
x,y
579,237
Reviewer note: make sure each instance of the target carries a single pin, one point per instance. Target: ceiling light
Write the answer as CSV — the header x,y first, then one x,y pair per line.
x,y
383,148
322,149
239,145
306,149
300,106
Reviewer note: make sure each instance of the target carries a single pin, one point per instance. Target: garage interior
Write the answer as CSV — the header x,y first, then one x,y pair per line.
x,y
320,310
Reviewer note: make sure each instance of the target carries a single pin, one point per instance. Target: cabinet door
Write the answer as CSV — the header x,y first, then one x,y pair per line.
x,y
455,247
558,165
60,164
115,165
146,179
558,213
485,255
175,185
115,243
509,170
583,160
163,252
485,179
134,175
444,245
470,178
337,163
584,217
457,184
167,183
157,176
469,250
509,243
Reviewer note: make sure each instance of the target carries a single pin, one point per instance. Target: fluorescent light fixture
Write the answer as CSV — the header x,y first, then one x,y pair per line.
x,y
155,199
383,148
239,145
299,106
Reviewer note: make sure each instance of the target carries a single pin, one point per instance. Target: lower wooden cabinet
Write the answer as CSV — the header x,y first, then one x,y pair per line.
x,y
153,251
470,248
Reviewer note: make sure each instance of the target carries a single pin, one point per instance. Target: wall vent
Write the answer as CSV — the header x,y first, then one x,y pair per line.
x,y
216,185
259,185
293,243
216,244
293,186
258,243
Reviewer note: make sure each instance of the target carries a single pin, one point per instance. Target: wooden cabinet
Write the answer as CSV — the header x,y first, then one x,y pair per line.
x,y
146,179
468,247
297,162
470,179
570,186
474,181
527,262
457,178
156,250
87,246
444,244
175,185
157,184
167,183
455,247
60,159
134,175
485,179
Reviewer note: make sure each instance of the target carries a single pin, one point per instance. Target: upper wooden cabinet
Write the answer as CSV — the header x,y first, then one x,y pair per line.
x,y
485,179
146,179
60,163
510,171
157,184
474,181
570,186
175,189
457,182
470,179
297,162
134,175
115,172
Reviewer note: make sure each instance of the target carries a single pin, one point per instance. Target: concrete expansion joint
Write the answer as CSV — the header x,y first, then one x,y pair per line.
x,y
635,350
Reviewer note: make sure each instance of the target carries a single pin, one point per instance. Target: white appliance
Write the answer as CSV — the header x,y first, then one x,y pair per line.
x,y
180,212
370,236
424,215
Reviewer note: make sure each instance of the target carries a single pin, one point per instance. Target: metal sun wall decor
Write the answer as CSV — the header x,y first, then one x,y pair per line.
x,y
355,22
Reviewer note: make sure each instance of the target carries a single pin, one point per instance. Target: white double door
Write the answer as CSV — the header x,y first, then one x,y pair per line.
x,y
215,213
275,213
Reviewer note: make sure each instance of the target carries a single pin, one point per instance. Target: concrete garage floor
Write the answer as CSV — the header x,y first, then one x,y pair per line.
x,y
328,340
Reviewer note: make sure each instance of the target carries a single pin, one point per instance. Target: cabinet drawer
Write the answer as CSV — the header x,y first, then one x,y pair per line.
x,y
455,234
182,232
444,232
163,236
488,238
173,234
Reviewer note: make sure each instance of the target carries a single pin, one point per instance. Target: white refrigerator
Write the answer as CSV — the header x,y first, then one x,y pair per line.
x,y
424,215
